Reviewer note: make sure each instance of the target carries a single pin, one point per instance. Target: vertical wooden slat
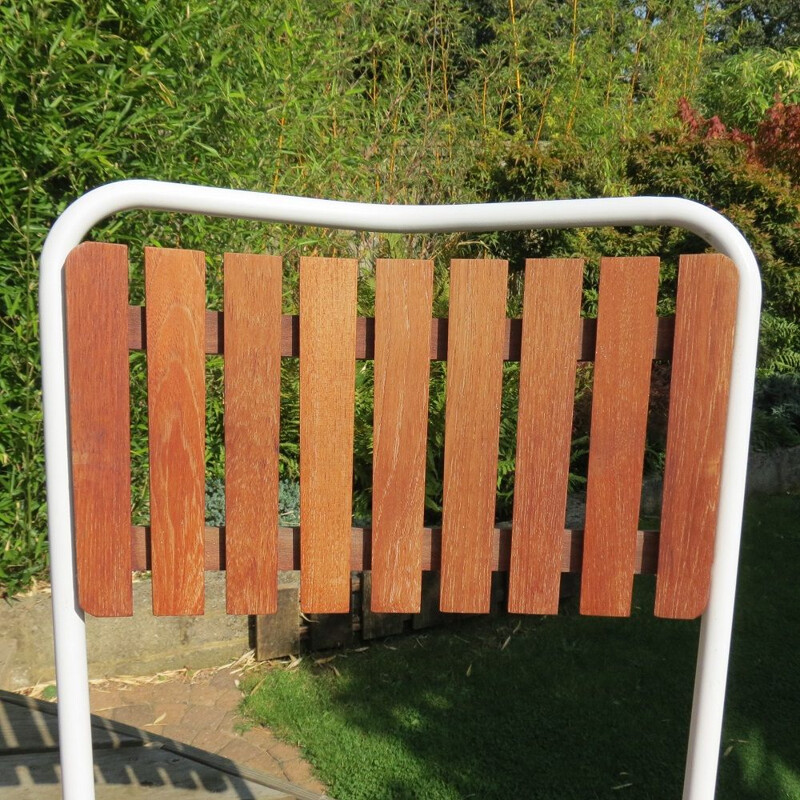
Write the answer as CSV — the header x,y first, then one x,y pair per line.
x,y
327,396
252,429
626,326
96,277
550,331
472,421
704,324
175,298
403,297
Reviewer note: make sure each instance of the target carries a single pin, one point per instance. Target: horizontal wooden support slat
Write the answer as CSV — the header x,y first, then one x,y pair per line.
x,y
361,549
365,336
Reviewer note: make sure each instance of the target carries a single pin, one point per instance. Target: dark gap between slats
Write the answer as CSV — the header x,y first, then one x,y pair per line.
x,y
365,336
361,550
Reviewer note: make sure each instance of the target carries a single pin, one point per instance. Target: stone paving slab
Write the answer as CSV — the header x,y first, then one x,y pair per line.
x,y
147,728
28,729
201,710
130,773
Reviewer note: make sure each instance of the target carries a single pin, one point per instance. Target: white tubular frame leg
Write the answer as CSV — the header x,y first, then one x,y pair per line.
x,y
73,225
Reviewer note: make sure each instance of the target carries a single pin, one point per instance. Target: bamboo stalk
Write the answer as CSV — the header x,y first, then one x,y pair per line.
x,y
515,41
610,81
573,43
636,56
575,96
280,145
700,45
542,116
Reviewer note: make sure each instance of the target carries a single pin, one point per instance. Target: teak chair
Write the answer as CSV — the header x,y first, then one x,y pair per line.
x,y
88,329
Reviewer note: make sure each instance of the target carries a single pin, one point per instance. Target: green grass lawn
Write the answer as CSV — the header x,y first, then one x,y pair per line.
x,y
568,707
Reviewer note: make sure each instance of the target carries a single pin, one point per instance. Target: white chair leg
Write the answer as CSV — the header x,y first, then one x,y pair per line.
x,y
74,725
711,673
69,629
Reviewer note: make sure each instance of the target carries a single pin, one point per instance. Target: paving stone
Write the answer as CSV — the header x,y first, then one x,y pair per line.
x,y
299,771
283,752
203,711
170,713
204,695
223,680
261,737
176,691
205,740
228,700
231,722
137,715
101,700
176,732
131,773
246,753
203,717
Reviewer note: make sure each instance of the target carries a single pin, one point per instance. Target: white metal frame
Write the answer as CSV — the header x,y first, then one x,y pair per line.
x,y
78,219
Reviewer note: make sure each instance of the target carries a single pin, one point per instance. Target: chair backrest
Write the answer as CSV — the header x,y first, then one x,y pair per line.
x,y
88,491
177,332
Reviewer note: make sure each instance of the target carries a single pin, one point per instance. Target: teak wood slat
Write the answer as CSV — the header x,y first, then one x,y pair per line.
x,y
571,549
551,325
478,291
176,330
175,295
365,336
626,325
327,396
701,367
96,295
252,301
403,298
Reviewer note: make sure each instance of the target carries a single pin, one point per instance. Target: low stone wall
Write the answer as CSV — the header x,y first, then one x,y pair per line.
x,y
777,472
137,645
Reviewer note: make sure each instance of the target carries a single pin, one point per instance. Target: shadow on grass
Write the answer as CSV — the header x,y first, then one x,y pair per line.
x,y
565,707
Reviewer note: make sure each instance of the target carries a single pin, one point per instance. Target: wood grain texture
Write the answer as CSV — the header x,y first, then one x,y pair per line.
x,y
551,326
175,296
645,561
374,624
626,325
403,299
701,368
365,336
96,294
472,421
253,286
327,396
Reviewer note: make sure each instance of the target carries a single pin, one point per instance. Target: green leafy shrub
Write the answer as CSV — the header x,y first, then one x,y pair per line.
x,y
404,102
215,502
288,502
776,412
282,97
721,172
740,88
717,170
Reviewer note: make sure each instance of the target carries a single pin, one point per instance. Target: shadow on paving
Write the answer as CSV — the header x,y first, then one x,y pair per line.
x,y
151,765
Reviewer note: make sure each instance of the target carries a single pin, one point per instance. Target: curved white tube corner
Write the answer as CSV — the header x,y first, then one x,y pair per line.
x,y
78,219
